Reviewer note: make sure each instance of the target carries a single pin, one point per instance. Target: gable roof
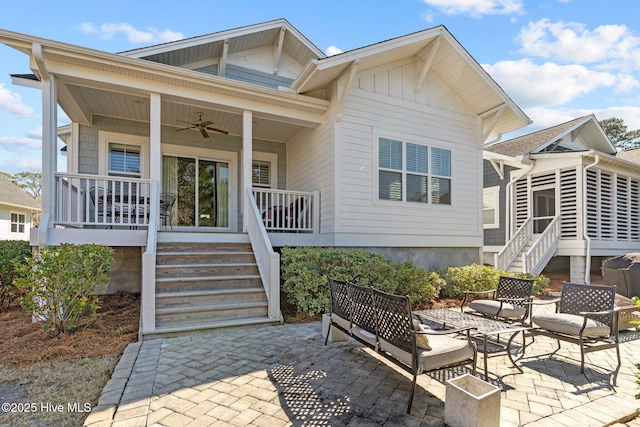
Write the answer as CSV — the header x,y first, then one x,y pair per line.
x,y
11,194
537,142
200,48
437,51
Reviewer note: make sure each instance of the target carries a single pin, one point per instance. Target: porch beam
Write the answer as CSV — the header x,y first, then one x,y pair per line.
x,y
427,63
222,68
247,159
342,97
278,51
49,145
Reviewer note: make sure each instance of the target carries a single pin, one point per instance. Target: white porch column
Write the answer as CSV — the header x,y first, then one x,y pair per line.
x,y
49,144
247,159
155,155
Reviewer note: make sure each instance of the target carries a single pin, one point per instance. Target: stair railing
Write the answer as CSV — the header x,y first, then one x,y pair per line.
x,y
148,291
267,259
508,254
543,249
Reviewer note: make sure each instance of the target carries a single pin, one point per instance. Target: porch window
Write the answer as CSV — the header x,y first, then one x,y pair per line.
x,y
490,203
261,173
124,160
18,222
409,172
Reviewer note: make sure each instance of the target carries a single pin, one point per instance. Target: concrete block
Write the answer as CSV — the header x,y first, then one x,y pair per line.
x,y
471,402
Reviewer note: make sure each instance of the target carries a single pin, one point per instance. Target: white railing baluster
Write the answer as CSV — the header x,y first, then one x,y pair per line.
x,y
508,254
288,211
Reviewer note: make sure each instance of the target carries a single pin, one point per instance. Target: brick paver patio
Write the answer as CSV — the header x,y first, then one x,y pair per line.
x,y
284,375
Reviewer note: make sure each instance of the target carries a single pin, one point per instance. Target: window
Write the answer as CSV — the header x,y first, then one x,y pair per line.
x,y
18,221
124,160
261,174
410,172
490,204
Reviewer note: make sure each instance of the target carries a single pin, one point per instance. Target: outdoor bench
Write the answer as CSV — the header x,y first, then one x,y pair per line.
x,y
384,323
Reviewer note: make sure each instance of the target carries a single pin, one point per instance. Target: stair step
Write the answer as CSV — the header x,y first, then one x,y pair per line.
x,y
203,257
208,283
200,270
203,247
194,315
203,327
209,298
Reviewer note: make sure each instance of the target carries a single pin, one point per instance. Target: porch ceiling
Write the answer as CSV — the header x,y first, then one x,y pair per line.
x,y
89,102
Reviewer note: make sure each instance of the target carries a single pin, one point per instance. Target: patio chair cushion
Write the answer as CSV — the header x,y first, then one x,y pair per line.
x,y
570,324
491,307
364,335
445,350
340,321
422,341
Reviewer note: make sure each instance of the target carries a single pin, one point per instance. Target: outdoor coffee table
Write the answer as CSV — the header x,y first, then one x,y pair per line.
x,y
484,328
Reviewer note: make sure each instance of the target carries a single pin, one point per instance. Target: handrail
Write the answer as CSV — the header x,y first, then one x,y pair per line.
x,y
121,201
508,254
267,259
533,261
286,210
148,292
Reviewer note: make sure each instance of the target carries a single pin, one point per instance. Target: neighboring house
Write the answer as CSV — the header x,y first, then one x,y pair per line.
x,y
559,192
16,211
263,141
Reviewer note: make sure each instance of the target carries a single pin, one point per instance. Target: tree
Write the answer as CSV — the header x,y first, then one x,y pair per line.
x,y
30,182
617,132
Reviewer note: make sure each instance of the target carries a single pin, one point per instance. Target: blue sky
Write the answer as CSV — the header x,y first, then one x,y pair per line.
x,y
557,59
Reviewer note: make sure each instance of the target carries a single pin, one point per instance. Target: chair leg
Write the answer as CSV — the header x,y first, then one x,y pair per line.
x,y
413,389
326,339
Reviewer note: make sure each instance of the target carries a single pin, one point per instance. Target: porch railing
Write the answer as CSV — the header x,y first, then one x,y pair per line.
x,y
267,259
508,254
288,211
541,252
105,201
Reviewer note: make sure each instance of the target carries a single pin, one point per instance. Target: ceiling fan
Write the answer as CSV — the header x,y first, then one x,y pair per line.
x,y
203,127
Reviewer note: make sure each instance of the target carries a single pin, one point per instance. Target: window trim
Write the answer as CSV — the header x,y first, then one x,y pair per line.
x,y
24,224
105,138
496,192
416,140
272,158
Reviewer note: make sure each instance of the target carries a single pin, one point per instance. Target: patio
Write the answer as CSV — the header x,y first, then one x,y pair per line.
x,y
284,375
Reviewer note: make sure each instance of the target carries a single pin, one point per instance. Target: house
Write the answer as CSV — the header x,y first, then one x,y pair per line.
x,y
17,209
231,144
559,192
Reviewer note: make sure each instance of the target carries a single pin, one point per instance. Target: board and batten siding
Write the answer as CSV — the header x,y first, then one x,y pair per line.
x,y
383,103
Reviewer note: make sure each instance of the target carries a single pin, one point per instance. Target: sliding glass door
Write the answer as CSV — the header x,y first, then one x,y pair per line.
x,y
201,187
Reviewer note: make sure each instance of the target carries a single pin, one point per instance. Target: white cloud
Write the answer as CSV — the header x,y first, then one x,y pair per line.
x,y
35,133
532,85
612,46
12,103
134,36
333,50
477,8
14,142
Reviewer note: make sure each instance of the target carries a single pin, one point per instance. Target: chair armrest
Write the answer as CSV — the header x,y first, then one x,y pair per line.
x,y
444,331
599,313
546,301
467,293
479,292
513,299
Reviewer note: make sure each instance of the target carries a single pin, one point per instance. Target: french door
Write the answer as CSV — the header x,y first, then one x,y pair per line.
x,y
201,187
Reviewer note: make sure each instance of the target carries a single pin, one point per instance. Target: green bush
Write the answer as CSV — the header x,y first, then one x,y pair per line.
x,y
12,252
476,277
304,271
61,282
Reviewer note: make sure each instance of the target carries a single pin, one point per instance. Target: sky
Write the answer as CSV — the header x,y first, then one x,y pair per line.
x,y
557,59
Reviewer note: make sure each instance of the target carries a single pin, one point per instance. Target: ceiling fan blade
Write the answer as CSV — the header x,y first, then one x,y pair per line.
x,y
207,123
218,130
204,133
177,130
183,121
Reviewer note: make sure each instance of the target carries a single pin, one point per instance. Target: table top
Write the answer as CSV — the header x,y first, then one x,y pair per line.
x,y
453,318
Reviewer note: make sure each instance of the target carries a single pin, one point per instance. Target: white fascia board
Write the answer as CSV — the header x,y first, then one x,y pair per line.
x,y
507,160
21,81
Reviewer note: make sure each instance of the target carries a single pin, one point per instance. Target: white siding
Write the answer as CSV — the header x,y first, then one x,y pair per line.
x,y
383,103
310,167
5,223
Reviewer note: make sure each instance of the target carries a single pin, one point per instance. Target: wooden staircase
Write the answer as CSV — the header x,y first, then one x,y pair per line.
x,y
202,286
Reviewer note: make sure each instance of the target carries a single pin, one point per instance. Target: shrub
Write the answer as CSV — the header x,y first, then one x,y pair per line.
x,y
476,277
12,252
61,283
304,271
